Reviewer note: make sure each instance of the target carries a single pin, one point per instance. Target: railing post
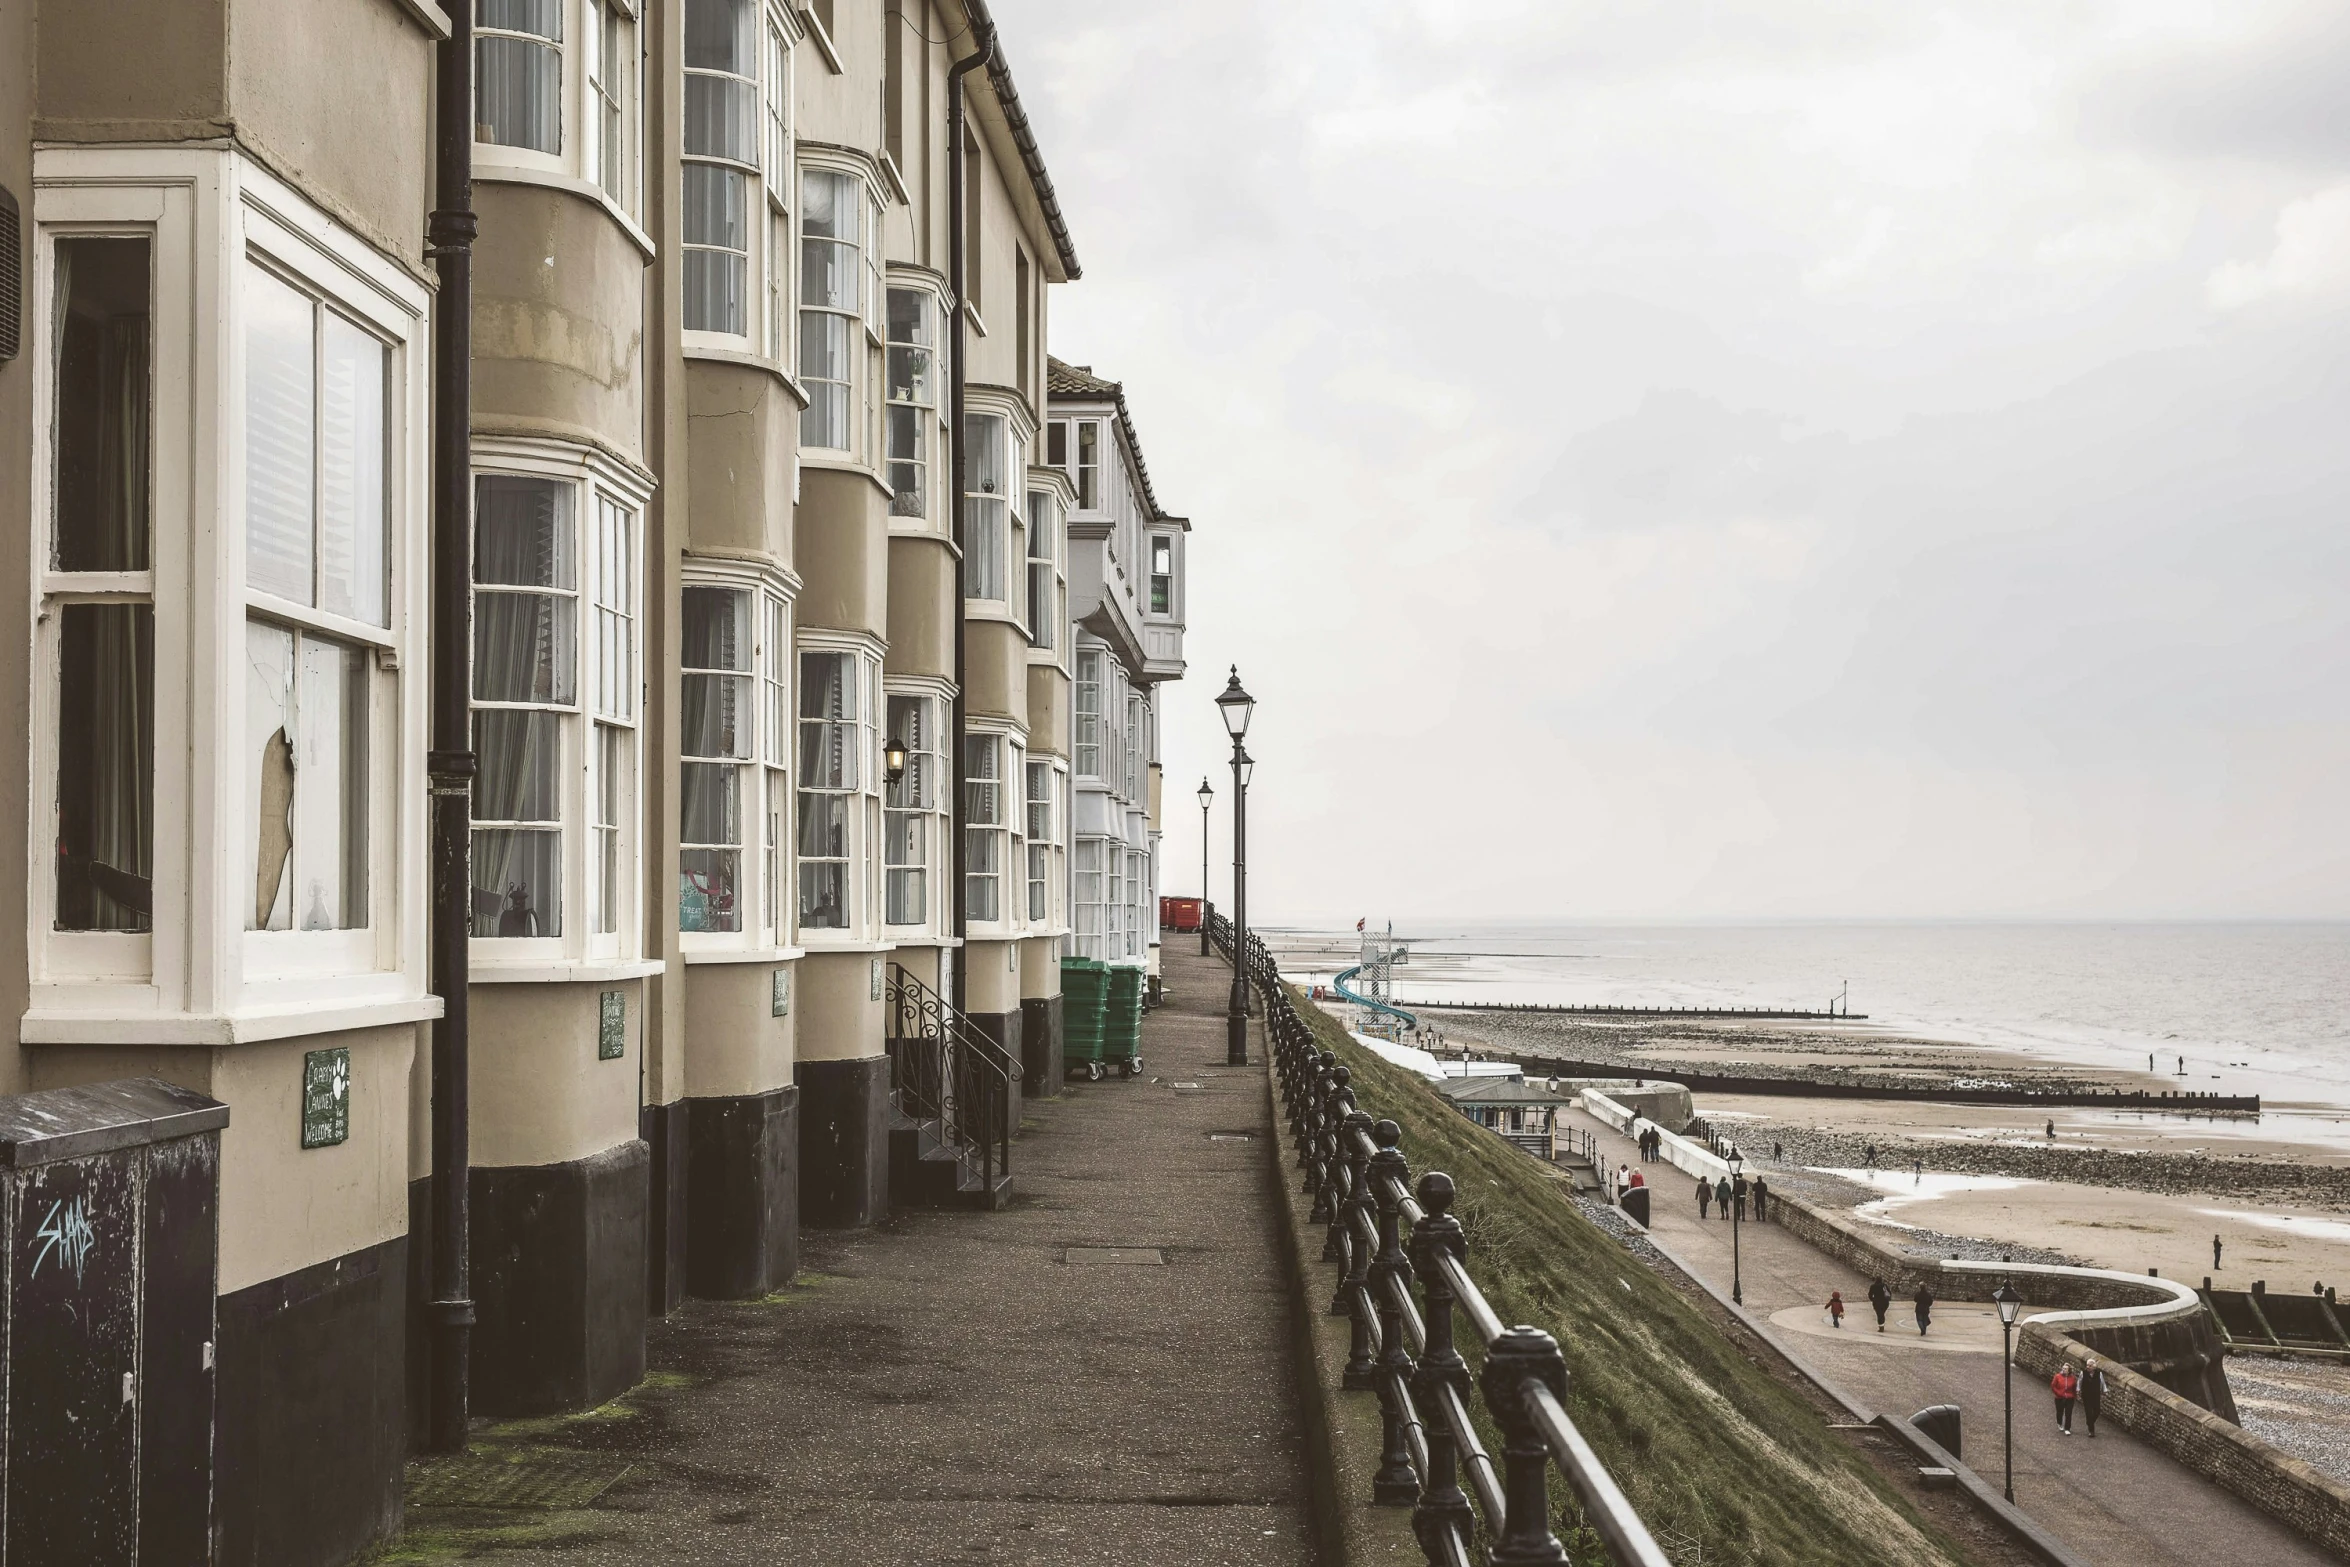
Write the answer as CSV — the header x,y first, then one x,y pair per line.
x,y
1335,1190
1395,1485
1318,1142
1517,1357
1305,1114
1444,1507
1355,1275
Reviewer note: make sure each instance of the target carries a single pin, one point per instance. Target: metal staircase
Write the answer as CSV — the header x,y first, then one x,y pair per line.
x,y
954,1101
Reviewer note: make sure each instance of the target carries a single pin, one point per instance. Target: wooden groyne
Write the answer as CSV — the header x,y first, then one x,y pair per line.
x,y
1771,1013
2166,1103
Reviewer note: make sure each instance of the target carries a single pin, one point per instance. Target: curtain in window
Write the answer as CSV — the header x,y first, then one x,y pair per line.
x,y
519,91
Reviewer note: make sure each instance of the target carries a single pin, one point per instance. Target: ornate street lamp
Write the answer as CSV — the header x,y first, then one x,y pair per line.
x,y
2009,1303
1207,795
1237,706
1735,1160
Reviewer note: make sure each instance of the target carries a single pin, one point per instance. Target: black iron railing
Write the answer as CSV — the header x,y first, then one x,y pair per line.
x,y
945,1069
1402,1347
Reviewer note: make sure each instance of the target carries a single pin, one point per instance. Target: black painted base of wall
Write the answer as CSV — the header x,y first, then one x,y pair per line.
x,y
1005,1029
1042,1058
663,1128
558,1255
742,1194
312,1416
844,1142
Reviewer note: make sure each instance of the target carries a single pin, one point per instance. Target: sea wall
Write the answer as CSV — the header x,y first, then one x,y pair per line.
x,y
1678,1151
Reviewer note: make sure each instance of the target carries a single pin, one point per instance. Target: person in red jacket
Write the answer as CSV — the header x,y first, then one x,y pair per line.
x,y
2066,1385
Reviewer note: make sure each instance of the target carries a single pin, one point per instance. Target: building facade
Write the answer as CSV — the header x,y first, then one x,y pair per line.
x,y
786,705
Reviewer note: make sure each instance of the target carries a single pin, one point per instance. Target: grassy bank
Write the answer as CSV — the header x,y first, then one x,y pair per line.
x,y
1705,1444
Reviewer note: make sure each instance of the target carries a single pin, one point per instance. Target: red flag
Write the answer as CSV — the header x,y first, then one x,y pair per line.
x,y
1359,923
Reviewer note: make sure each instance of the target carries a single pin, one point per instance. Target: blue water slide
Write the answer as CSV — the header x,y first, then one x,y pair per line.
x,y
1338,983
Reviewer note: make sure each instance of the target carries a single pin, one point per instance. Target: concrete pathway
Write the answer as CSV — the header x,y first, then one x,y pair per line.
x,y
2114,1500
1101,1373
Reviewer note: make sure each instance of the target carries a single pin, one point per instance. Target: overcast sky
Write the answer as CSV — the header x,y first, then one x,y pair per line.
x,y
1799,458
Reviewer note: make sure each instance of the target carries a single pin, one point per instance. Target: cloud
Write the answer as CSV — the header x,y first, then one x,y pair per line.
x,y
2312,255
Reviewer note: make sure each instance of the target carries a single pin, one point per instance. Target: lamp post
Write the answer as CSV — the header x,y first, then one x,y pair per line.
x,y
1236,706
1207,794
2009,1303
1735,1161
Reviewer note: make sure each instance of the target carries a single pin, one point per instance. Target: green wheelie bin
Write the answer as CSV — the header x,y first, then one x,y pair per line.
x,y
1122,1022
1085,993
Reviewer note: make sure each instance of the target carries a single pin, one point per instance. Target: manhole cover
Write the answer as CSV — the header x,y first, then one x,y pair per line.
x,y
1186,1085
1232,1137
537,1478
1115,1256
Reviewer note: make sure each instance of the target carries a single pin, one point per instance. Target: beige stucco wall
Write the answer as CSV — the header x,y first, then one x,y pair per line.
x,y
742,432
734,1043
1040,968
841,537
993,982
995,661
558,319
1049,707
921,606
282,1206
540,1095
173,86
838,1020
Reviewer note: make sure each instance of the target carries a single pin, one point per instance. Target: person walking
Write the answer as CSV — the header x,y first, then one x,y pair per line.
x,y
2092,1394
1623,1180
1836,1308
1762,1192
1923,1300
2066,1385
1880,1301
1705,1195
2215,1254
1869,1157
1778,1152
1738,1194
1638,1179
1722,1198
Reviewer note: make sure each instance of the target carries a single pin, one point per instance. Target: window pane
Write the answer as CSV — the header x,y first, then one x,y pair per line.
x,y
269,752
824,826
519,91
718,36
615,649
520,756
517,882
829,206
906,429
824,895
908,895
101,420
708,890
987,454
522,647
721,117
715,630
280,425
351,514
710,797
715,716
105,767
330,786
983,549
716,286
522,531
542,18
907,838
615,773
714,206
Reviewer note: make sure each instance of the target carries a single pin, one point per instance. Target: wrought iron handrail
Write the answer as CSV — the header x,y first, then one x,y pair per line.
x,y
948,1070
1403,1349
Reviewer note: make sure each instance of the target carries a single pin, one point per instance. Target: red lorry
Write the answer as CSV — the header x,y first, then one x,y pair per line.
x,y
1182,913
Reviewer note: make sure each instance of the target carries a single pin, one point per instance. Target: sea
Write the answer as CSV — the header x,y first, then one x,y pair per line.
x,y
2235,1008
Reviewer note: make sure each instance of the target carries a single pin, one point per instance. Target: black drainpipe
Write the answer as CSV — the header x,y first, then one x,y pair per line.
x,y
450,760
956,222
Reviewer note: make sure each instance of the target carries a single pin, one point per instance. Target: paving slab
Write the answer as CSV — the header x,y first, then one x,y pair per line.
x,y
1100,1373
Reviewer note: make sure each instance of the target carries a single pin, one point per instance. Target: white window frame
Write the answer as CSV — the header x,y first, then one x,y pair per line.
x,y
579,166
1088,707
198,976
769,204
987,818
581,949
934,760
861,415
928,418
764,771
861,883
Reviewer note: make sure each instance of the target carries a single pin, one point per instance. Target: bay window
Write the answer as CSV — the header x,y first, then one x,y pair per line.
x,y
1162,574
832,210
913,398
556,92
835,784
911,820
555,650
1088,884
983,827
721,147
609,44
316,603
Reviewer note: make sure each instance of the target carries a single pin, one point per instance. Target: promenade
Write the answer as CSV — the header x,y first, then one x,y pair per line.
x,y
2114,1500
1100,1373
